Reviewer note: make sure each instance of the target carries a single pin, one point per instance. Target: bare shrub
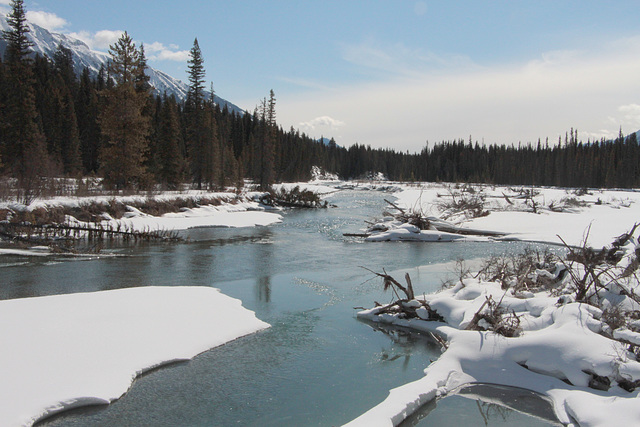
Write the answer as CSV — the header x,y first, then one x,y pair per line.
x,y
466,200
493,316
516,270
296,198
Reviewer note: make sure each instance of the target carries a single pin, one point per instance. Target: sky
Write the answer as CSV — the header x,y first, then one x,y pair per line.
x,y
393,74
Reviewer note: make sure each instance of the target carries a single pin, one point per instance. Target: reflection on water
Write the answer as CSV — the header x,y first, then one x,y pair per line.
x,y
316,365
494,405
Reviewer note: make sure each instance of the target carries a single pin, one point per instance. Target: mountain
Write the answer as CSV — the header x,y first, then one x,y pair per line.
x,y
327,141
46,43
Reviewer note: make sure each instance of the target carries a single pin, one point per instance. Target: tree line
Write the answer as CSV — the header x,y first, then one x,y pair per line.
x,y
56,123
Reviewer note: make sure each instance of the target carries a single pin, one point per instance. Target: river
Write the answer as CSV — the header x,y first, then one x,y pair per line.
x,y
317,365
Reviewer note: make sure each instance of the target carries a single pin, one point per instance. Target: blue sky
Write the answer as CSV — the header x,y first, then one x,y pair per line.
x,y
394,73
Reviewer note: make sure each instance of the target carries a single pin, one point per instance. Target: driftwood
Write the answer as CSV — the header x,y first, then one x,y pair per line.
x,y
44,233
401,210
389,282
364,235
402,306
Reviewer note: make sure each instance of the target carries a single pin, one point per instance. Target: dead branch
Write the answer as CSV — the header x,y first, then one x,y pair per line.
x,y
388,281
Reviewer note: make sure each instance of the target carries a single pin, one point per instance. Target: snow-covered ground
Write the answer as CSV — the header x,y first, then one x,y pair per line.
x,y
244,214
603,214
63,351
573,353
234,211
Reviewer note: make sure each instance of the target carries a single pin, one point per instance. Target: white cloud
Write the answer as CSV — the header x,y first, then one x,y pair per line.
x,y
100,40
626,117
50,21
159,52
593,91
155,51
323,125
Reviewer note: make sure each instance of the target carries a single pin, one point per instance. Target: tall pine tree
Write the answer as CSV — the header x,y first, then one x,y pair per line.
x,y
23,145
198,125
123,123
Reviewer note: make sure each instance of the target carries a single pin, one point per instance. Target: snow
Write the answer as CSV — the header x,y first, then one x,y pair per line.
x,y
233,212
64,351
599,215
564,350
33,251
228,216
394,231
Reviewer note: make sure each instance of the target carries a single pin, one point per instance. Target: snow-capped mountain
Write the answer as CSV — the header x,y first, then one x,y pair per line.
x,y
46,43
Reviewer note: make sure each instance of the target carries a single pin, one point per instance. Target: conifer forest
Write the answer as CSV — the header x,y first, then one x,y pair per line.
x,y
56,123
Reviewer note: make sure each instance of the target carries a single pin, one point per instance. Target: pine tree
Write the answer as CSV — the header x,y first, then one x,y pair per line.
x,y
24,148
171,164
18,45
198,125
140,72
268,140
196,76
122,121
87,119
125,61
63,61
71,158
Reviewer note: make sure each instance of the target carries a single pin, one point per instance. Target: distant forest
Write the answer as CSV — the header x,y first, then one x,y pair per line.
x,y
56,123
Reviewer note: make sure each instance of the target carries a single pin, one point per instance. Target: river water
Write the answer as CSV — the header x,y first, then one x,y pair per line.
x,y
317,365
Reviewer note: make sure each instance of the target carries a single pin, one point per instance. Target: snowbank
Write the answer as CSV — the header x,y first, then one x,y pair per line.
x,y
583,356
233,211
64,351
558,212
247,214
395,231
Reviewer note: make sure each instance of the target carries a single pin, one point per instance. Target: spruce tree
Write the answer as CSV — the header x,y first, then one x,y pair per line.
x,y
123,124
195,95
171,164
24,146
267,148
87,119
125,61
198,125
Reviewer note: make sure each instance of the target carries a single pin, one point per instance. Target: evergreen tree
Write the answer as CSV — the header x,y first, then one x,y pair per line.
x,y
18,45
198,125
171,164
71,158
123,124
268,140
140,72
195,95
63,60
87,118
24,145
124,66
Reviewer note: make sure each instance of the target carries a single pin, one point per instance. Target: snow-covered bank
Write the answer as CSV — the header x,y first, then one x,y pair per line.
x,y
247,214
229,210
531,213
537,331
63,351
394,231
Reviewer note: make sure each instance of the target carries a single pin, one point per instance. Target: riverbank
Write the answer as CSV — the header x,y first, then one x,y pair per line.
x,y
565,329
83,349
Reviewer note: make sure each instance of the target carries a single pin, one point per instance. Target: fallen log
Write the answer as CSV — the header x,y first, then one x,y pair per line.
x,y
396,206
